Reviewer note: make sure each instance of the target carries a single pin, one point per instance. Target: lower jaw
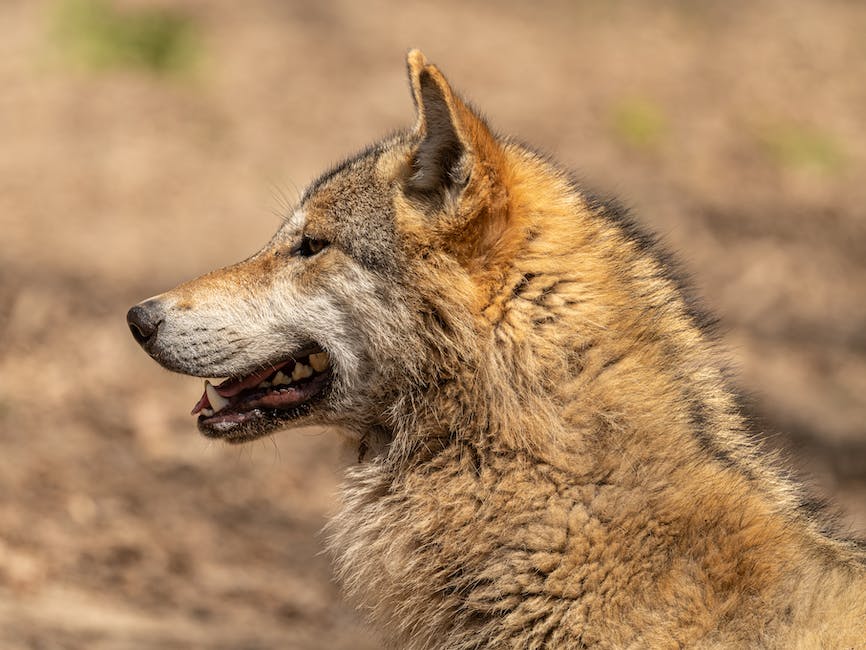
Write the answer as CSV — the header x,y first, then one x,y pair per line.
x,y
249,425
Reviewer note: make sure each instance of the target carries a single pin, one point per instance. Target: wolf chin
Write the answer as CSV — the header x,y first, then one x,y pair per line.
x,y
548,452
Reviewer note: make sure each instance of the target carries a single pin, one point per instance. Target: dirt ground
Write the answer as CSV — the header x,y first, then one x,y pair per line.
x,y
735,129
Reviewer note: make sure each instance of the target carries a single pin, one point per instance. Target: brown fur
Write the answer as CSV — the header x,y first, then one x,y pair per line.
x,y
551,455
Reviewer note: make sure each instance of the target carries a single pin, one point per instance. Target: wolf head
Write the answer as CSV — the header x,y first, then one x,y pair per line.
x,y
369,292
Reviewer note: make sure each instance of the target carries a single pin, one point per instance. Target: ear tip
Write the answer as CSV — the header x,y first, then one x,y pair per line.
x,y
415,59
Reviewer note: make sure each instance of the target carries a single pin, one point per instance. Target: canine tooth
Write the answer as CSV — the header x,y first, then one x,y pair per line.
x,y
301,371
217,401
319,361
207,412
280,379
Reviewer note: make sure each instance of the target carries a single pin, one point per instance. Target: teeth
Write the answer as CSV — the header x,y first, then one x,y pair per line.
x,y
264,384
207,412
319,361
301,371
280,379
217,401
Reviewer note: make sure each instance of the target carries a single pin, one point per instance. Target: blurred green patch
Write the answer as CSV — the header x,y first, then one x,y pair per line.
x,y
101,35
639,123
798,146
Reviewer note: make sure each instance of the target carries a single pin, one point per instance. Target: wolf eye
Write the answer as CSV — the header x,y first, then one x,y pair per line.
x,y
308,246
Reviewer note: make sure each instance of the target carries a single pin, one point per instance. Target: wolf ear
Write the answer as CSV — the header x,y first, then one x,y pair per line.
x,y
456,154
445,127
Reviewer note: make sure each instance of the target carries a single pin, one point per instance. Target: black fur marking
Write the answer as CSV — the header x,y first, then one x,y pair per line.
x,y
474,457
700,421
818,509
826,517
522,284
541,297
701,424
610,363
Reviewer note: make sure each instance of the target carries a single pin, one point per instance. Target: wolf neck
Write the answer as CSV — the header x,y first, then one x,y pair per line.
x,y
588,357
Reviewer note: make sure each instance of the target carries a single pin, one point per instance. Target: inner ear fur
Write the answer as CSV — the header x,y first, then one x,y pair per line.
x,y
435,162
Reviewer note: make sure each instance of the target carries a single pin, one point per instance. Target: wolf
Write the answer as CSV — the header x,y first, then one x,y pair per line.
x,y
546,449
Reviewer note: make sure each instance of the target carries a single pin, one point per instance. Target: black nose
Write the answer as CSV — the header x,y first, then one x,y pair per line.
x,y
144,320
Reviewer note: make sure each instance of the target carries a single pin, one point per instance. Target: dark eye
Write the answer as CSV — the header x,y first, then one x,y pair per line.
x,y
308,246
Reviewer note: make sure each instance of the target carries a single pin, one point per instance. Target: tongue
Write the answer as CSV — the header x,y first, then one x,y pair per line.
x,y
231,387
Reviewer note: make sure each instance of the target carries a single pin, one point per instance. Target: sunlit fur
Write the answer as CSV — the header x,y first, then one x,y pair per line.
x,y
549,455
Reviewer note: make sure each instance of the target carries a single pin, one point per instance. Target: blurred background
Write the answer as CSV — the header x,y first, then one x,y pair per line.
x,y
146,142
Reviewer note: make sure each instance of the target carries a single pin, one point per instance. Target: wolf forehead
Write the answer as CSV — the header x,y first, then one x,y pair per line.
x,y
352,205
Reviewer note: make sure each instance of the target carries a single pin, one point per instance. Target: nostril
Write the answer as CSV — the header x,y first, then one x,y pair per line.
x,y
138,334
143,321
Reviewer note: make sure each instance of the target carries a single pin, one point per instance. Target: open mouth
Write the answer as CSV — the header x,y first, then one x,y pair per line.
x,y
248,406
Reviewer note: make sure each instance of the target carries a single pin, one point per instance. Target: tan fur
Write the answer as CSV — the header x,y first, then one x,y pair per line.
x,y
551,455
